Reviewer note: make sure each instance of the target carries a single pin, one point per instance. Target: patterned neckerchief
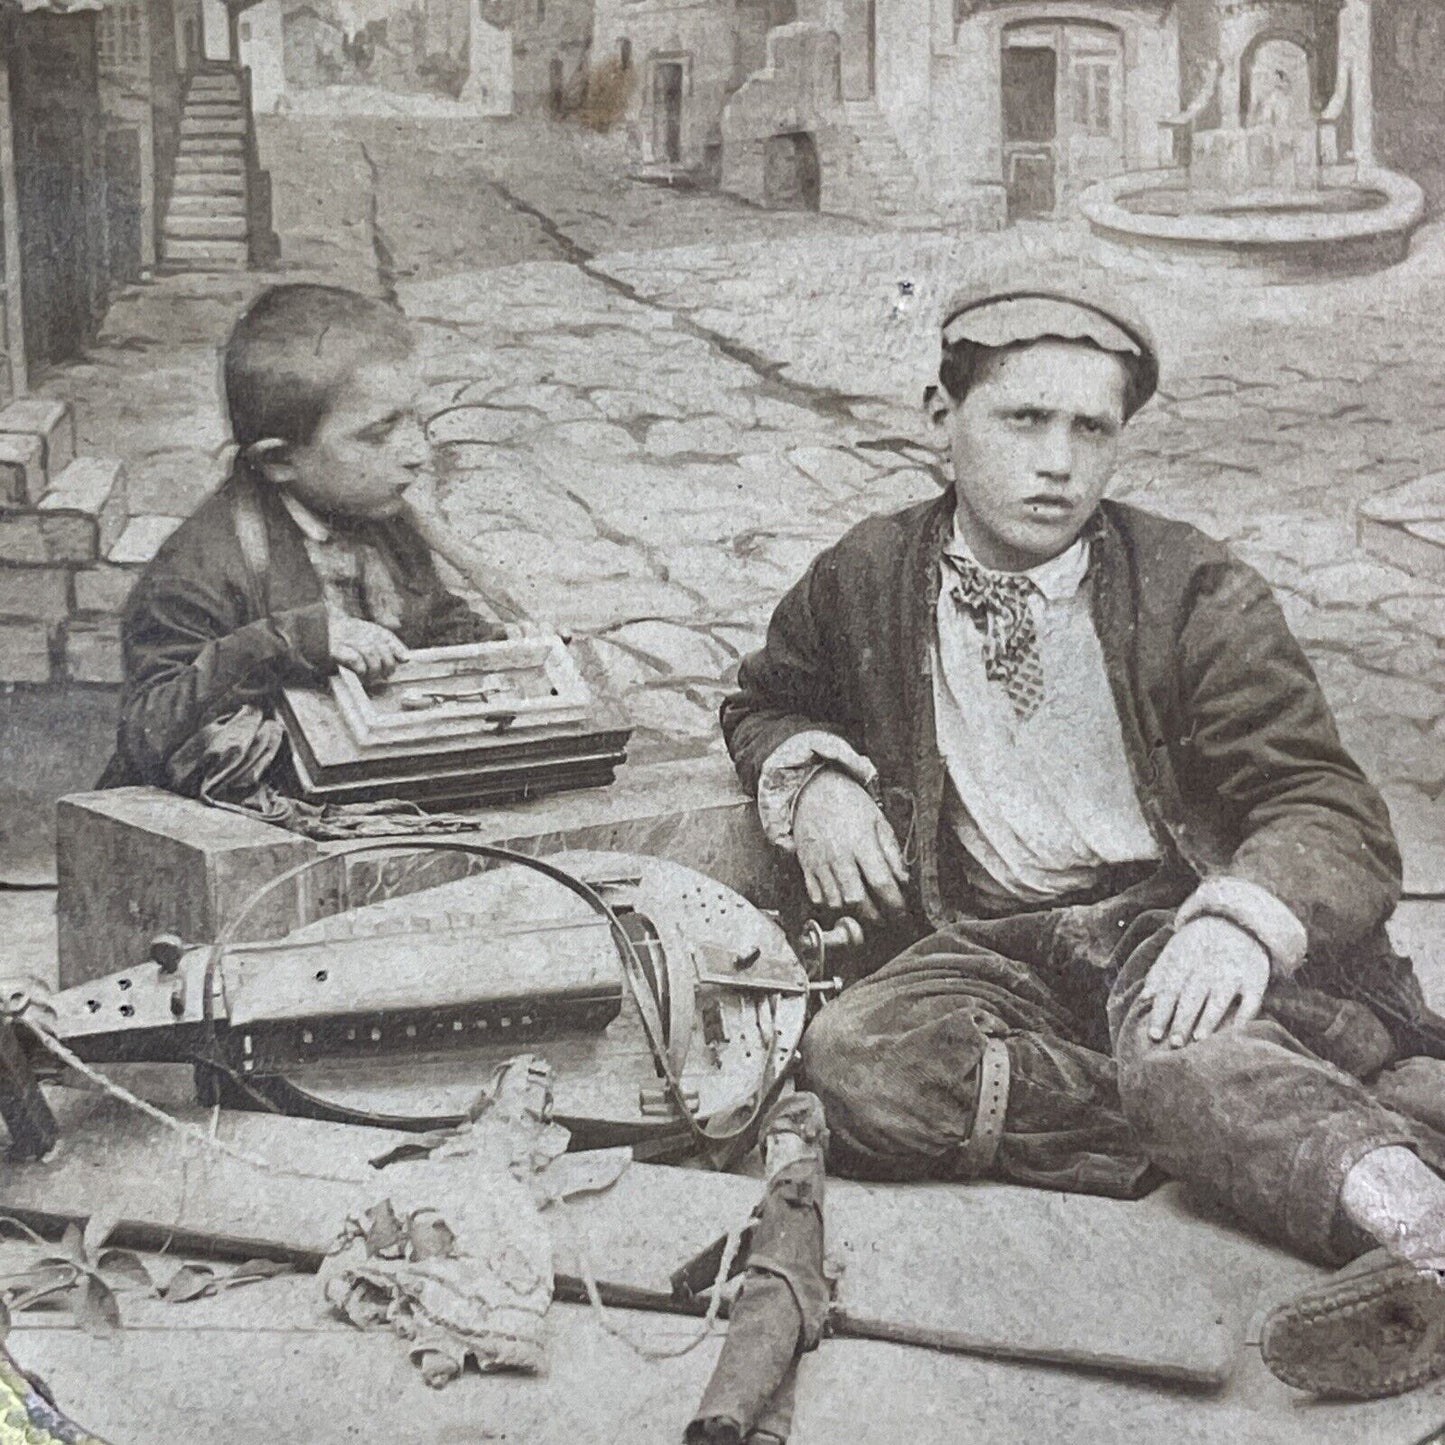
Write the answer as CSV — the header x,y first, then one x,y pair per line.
x,y
998,604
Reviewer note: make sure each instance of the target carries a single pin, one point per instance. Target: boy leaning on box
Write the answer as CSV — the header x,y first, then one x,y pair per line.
x,y
308,557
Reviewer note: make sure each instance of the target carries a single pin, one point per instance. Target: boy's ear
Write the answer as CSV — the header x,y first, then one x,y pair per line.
x,y
271,457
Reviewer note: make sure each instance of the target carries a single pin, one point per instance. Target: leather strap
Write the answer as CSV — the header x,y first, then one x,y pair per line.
x,y
977,1152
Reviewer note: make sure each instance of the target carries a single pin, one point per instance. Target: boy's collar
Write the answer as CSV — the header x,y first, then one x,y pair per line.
x,y
312,527
1058,579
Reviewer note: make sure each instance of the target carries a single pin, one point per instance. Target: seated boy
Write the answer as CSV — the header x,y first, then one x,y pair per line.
x,y
304,560
1076,745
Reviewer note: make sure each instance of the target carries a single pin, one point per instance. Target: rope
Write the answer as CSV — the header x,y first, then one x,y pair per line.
x,y
672,1352
192,1132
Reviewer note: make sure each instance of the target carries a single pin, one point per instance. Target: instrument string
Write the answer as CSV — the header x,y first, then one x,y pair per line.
x,y
192,1132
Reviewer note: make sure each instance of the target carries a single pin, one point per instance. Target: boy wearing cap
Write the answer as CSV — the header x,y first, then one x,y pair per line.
x,y
1075,746
304,560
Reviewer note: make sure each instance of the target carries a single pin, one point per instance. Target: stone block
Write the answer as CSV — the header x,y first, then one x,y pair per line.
x,y
105,587
31,538
22,468
24,652
142,539
53,423
93,652
35,594
93,489
135,862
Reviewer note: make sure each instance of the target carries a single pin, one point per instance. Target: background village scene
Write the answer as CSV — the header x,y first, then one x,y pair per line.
x,y
677,267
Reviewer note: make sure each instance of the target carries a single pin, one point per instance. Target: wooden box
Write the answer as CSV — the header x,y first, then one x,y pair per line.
x,y
454,725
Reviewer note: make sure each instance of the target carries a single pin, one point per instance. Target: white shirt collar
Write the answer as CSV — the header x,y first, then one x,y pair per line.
x,y
1058,579
311,525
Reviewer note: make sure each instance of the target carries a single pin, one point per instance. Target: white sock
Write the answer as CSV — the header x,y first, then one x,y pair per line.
x,y
1397,1199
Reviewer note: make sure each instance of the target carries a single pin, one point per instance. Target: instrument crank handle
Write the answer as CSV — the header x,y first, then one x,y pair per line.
x,y
815,942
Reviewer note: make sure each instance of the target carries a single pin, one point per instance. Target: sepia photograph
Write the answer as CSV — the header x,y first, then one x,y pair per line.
x,y
722,722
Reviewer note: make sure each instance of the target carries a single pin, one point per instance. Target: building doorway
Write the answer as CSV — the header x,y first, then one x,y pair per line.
x,y
59,182
1062,98
667,81
556,87
792,180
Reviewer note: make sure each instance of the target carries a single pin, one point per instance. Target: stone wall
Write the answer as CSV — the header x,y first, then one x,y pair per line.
x,y
1409,91
69,551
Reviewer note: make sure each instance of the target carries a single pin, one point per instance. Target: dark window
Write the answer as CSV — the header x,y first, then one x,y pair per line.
x,y
1028,93
624,53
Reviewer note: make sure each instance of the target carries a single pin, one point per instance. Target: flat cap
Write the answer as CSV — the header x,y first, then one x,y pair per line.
x,y
1011,312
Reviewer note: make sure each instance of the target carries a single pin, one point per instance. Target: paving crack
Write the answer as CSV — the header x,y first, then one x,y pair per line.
x,y
386,272
822,401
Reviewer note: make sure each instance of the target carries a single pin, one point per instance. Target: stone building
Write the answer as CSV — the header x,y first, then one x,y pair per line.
x,y
1409,90
981,111
146,50
685,61
552,52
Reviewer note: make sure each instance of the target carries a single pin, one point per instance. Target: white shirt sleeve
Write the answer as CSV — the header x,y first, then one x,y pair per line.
x,y
791,766
1257,912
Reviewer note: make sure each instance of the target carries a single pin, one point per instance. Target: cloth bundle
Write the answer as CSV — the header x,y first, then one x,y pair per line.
x,y
473,1284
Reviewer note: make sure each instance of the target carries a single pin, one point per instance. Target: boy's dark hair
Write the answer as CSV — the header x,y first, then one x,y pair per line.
x,y
293,350
966,362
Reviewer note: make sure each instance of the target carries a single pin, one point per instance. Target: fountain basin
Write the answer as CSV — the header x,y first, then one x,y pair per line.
x,y
1358,224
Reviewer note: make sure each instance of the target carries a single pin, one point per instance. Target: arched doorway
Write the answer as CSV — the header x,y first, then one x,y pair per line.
x,y
792,180
1062,99
1278,89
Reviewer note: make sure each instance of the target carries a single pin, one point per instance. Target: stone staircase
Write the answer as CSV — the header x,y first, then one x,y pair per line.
x,y
881,183
207,225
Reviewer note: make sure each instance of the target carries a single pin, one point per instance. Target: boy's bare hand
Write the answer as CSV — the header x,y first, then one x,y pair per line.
x,y
849,856
1205,968
367,648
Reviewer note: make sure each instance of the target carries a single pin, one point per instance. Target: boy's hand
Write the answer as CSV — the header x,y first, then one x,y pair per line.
x,y
367,648
1208,965
849,856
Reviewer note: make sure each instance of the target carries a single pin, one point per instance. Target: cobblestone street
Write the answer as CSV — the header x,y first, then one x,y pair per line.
x,y
652,408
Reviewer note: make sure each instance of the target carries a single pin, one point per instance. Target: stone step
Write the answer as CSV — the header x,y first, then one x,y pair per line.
x,y
228,163
91,490
35,594
187,227
102,590
210,183
25,652
198,255
213,105
207,203
193,125
54,423
215,84
141,540
92,651
22,468
212,145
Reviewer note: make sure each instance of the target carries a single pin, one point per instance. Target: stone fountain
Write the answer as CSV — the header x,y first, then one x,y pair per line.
x,y
1274,157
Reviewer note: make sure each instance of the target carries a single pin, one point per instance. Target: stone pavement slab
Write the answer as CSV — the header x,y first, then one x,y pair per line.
x,y
259,1364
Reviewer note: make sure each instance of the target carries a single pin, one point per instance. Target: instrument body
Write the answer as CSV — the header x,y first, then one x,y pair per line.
x,y
396,1013
476,722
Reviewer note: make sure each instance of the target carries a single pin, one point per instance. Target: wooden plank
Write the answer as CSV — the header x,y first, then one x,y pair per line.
x,y
1152,1285
1086,1281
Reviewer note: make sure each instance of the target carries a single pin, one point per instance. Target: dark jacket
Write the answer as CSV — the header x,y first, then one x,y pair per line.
x,y
203,634
1232,747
